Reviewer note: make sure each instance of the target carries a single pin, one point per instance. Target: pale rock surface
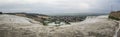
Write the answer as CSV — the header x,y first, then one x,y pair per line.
x,y
15,26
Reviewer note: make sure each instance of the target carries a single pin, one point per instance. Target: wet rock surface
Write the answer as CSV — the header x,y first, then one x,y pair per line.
x,y
16,26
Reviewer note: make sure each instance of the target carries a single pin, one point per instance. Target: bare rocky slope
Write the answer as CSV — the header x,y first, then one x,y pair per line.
x,y
16,26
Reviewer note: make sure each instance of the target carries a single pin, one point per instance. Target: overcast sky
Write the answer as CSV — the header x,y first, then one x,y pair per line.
x,y
59,6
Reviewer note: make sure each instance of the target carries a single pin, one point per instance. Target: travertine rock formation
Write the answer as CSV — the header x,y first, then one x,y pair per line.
x,y
15,26
115,15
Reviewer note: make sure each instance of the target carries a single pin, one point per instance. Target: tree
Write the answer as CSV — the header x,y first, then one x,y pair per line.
x,y
0,12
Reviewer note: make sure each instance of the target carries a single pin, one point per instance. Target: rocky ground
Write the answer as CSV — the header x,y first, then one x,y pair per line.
x,y
16,26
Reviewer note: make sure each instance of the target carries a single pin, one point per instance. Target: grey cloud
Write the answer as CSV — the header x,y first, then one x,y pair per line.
x,y
66,6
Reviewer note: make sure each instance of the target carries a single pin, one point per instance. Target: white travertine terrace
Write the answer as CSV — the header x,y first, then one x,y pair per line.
x,y
16,26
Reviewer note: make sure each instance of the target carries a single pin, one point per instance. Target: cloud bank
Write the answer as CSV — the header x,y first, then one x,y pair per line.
x,y
59,6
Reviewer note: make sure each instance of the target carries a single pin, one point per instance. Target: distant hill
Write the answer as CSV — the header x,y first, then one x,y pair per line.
x,y
79,14
35,16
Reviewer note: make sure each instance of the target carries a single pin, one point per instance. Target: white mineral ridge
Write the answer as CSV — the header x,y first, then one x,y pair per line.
x,y
15,19
97,26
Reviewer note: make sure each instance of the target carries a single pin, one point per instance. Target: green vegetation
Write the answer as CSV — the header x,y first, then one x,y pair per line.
x,y
50,20
112,17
